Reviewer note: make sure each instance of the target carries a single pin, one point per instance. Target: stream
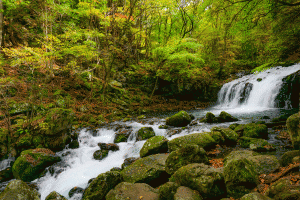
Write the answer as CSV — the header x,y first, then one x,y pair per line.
x,y
246,99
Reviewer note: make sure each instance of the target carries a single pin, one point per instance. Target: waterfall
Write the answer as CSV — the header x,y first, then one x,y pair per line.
x,y
255,91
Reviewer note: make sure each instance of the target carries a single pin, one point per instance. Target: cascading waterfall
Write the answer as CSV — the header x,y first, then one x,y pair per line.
x,y
255,91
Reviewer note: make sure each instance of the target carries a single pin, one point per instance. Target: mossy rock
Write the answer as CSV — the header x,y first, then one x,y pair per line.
x,y
154,145
233,126
256,131
55,196
283,190
141,117
255,196
185,193
57,142
217,136
287,157
240,177
150,170
145,133
208,181
168,190
225,117
293,125
203,140
24,142
37,141
6,174
126,190
100,154
188,154
210,118
101,185
256,144
228,134
240,129
31,163
180,119
18,190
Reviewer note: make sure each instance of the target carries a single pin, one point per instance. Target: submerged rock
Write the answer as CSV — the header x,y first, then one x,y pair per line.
x,y
188,154
108,146
101,185
75,190
145,133
208,181
127,190
100,154
180,119
150,170
18,190
154,145
55,196
31,163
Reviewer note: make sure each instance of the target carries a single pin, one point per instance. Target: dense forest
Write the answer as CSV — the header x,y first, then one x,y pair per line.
x,y
107,60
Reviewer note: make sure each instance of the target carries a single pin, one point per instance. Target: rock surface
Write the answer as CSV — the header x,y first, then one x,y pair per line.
x,y
180,119
154,145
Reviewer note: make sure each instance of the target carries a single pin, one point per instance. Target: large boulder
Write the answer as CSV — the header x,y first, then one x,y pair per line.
x,y
287,157
150,170
154,145
31,163
137,191
229,135
185,193
208,181
256,130
180,119
203,140
18,190
145,133
283,190
188,154
101,185
225,117
255,196
168,190
293,125
55,196
241,170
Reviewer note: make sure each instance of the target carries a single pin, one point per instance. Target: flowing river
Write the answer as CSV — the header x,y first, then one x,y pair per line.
x,y
249,99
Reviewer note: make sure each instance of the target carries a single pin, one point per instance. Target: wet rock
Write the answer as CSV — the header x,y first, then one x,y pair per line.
x,y
256,144
203,140
172,132
74,144
256,131
127,190
225,117
203,178
163,127
168,190
55,196
118,169
233,126
76,190
229,135
210,118
154,145
185,193
108,146
287,157
31,163
186,155
101,185
150,170
128,161
122,135
292,124
6,174
145,133
180,119
18,190
246,92
255,196
100,154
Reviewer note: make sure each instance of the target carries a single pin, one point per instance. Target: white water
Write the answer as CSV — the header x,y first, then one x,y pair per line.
x,y
247,94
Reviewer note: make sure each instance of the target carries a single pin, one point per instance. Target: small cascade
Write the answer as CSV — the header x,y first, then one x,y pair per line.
x,y
256,91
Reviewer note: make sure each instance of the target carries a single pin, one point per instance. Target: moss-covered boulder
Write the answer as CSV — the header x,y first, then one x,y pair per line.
x,y
256,144
167,191
18,190
217,136
101,185
210,118
100,154
208,181
256,130
226,117
185,193
145,133
154,145
203,140
255,196
293,125
180,119
31,163
55,196
229,135
283,190
233,126
188,154
287,157
128,161
24,142
240,177
150,170
239,129
136,191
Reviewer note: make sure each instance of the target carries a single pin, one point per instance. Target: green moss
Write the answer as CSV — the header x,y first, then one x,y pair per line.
x,y
256,130
145,133
292,124
180,119
210,118
168,190
120,138
156,144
